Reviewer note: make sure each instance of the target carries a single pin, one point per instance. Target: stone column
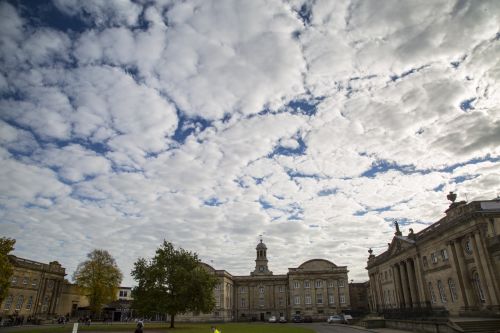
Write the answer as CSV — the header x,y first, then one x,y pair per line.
x,y
420,280
373,291
489,282
403,295
395,282
413,284
480,269
399,288
404,283
456,258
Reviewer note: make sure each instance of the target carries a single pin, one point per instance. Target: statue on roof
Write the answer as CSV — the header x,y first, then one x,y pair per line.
x,y
398,232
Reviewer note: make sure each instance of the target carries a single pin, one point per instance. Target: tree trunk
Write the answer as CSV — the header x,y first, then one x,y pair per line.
x,y
172,320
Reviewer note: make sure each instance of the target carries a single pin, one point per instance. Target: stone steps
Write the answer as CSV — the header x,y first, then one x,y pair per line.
x,y
483,326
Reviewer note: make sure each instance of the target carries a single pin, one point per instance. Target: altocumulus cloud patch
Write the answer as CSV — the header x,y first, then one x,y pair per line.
x,y
207,123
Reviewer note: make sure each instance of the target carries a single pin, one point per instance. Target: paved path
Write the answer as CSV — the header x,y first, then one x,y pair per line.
x,y
338,328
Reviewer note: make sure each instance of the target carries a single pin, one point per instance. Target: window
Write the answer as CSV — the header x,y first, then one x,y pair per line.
x,y
385,275
25,281
281,289
296,284
243,290
442,292
45,303
330,284
217,301
243,302
13,280
331,299
342,298
444,254
296,300
34,282
280,301
341,283
50,284
477,285
261,290
123,293
20,302
261,301
261,268
8,302
319,283
424,260
319,298
218,286
453,290
307,284
307,299
434,258
431,292
29,303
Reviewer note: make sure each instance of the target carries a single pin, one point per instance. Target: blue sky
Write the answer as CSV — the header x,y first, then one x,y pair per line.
x,y
208,123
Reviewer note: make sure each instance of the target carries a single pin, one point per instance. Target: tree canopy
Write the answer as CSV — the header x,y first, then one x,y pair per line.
x,y
6,270
98,278
172,282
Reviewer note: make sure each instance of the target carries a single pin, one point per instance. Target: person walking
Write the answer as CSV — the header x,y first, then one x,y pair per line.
x,y
215,330
139,328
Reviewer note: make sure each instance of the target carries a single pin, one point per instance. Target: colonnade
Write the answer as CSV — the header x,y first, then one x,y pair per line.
x,y
408,284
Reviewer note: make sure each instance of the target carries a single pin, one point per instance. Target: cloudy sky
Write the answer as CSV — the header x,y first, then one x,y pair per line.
x,y
210,122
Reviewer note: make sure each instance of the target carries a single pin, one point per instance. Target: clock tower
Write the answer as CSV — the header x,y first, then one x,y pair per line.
x,y
261,261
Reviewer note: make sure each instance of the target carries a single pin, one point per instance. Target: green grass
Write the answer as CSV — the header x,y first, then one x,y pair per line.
x,y
180,328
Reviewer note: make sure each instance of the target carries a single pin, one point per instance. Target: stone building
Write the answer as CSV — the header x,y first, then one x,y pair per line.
x,y
317,288
359,298
452,264
35,289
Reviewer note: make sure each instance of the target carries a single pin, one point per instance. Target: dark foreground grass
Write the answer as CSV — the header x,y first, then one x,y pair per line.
x,y
164,328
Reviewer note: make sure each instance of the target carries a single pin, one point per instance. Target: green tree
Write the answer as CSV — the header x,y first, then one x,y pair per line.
x,y
98,278
6,270
173,282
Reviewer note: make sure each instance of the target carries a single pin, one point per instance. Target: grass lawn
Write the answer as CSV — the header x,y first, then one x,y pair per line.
x,y
180,328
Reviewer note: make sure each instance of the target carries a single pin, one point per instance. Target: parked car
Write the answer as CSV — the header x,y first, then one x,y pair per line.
x,y
297,319
272,319
336,319
282,320
308,319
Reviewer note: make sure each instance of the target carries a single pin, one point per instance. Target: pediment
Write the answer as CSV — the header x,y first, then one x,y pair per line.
x,y
400,244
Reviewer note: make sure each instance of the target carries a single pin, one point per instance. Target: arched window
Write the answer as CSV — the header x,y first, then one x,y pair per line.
x,y
477,285
453,290
20,302
442,292
431,293
8,302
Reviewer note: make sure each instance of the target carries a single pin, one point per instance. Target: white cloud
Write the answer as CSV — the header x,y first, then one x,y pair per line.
x,y
406,109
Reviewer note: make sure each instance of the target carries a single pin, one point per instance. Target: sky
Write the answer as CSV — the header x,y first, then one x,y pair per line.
x,y
207,123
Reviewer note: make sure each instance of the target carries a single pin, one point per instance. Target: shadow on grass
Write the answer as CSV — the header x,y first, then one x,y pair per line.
x,y
164,328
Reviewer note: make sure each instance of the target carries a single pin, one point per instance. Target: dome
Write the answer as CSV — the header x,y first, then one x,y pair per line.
x,y
261,246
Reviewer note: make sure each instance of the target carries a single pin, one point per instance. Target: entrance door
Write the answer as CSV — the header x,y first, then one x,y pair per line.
x,y
262,316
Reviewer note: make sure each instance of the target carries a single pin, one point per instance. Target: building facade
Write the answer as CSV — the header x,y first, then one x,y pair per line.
x,y
454,264
317,288
35,289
